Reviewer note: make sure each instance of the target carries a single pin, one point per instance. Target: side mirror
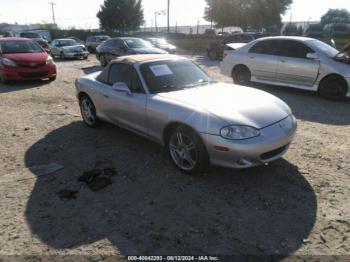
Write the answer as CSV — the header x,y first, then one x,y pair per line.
x,y
121,87
312,56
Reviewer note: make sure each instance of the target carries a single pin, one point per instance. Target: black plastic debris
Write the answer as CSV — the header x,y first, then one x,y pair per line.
x,y
98,179
67,194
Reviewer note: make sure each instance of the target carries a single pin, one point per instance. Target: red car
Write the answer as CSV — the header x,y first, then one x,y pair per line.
x,y
24,59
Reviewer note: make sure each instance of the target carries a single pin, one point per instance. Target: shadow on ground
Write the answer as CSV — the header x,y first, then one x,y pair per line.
x,y
309,106
151,208
92,69
23,85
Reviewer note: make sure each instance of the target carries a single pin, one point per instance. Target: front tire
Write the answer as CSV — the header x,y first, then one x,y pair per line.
x,y
187,151
88,112
333,88
241,75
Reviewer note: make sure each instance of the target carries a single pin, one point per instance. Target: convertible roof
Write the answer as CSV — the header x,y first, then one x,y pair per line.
x,y
134,59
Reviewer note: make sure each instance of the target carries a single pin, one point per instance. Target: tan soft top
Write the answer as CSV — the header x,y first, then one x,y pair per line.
x,y
133,59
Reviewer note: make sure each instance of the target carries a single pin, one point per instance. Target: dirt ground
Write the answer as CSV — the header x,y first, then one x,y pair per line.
x,y
298,206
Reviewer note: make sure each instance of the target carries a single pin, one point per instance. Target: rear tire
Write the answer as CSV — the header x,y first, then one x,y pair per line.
x,y
187,151
88,112
333,88
241,75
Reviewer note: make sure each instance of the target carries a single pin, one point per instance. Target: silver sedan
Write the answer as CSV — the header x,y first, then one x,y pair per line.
x,y
170,100
297,62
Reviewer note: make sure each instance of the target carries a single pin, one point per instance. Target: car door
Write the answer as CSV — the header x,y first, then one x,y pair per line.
x,y
262,60
127,110
115,48
294,67
55,51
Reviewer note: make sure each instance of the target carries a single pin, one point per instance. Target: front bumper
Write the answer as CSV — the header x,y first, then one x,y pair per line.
x,y
27,73
271,145
76,54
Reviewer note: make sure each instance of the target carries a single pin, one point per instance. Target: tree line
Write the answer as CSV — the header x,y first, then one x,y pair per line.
x,y
127,15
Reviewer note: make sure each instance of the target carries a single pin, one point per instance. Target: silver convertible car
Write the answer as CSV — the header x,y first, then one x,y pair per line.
x,y
170,100
297,62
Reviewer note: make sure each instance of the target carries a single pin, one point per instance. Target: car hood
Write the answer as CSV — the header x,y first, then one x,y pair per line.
x,y
27,57
167,46
236,105
146,51
72,47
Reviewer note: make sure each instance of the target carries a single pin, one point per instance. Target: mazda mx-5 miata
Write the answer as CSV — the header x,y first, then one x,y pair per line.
x,y
172,101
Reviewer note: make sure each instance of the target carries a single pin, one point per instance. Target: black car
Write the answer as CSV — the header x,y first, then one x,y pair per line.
x,y
121,46
215,50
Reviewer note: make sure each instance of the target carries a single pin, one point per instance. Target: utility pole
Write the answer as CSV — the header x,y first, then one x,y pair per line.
x,y
53,11
168,16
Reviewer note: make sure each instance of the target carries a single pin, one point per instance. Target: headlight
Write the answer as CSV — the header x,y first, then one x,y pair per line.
x,y
239,132
9,62
49,60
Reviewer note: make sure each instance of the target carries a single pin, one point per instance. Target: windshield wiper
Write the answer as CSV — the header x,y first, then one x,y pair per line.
x,y
200,83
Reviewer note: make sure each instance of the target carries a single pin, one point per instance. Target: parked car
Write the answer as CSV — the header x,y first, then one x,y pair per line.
x,y
232,47
297,62
215,50
43,43
170,100
92,42
163,44
122,46
68,48
24,59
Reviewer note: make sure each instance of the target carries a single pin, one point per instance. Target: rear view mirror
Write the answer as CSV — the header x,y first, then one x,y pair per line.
x,y
313,56
121,87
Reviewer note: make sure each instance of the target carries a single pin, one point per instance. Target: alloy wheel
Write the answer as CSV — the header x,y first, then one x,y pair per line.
x,y
183,151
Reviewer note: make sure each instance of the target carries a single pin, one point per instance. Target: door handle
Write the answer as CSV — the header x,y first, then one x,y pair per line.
x,y
106,96
252,57
283,61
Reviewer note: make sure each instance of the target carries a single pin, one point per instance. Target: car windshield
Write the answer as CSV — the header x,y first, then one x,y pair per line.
x,y
173,75
102,38
324,48
137,43
17,47
66,42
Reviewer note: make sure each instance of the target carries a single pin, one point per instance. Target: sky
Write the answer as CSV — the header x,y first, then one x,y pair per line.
x,y
82,13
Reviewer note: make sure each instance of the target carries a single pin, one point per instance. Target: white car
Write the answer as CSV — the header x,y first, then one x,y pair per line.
x,y
297,62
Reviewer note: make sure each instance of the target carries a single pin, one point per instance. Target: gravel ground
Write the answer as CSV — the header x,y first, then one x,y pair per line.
x,y
296,206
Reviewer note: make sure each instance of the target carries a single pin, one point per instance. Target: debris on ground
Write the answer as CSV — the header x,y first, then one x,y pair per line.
x,y
67,194
98,179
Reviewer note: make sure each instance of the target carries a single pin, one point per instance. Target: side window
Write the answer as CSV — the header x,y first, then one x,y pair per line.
x,y
120,73
295,49
268,47
108,43
136,85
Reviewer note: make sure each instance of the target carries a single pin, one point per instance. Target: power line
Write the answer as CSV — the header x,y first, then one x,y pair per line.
x,y
53,11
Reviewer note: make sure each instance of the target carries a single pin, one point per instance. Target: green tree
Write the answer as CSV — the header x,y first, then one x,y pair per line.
x,y
121,15
257,14
335,16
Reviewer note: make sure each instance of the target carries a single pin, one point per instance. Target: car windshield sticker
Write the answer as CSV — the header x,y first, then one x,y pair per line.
x,y
161,70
